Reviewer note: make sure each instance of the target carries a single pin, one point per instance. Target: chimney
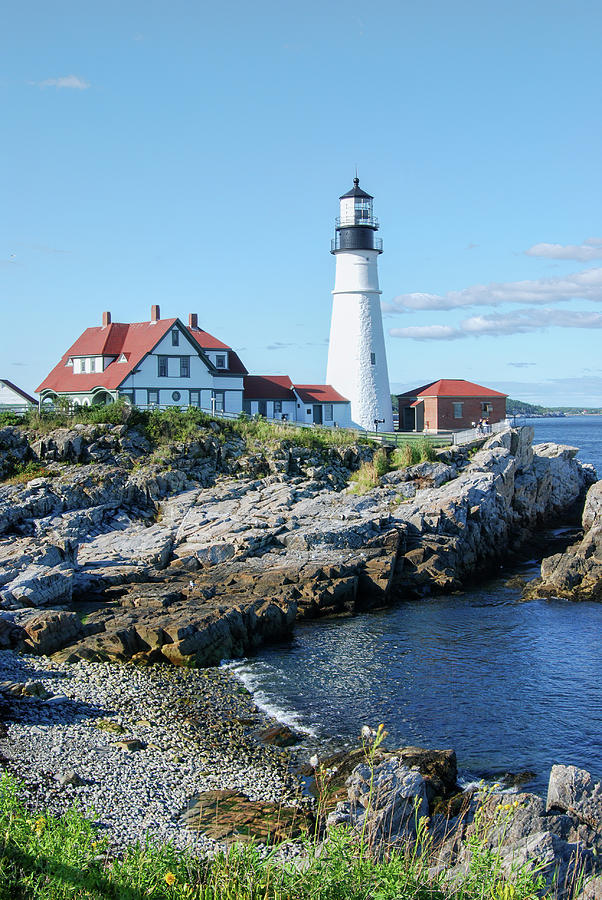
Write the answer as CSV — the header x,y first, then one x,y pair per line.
x,y
193,320
155,313
106,319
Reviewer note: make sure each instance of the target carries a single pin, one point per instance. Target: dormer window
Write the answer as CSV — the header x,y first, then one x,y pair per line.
x,y
93,365
69,361
220,361
122,358
175,338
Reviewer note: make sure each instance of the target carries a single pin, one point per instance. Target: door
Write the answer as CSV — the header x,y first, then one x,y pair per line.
x,y
317,414
262,407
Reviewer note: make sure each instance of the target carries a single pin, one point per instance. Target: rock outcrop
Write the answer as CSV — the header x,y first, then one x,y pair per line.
x,y
560,839
576,574
208,548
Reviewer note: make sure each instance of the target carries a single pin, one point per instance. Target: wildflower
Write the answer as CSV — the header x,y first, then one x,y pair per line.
x,y
39,825
313,761
170,878
368,734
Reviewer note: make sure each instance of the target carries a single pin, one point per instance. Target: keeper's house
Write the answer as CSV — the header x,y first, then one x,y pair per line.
x,y
162,362
450,404
166,363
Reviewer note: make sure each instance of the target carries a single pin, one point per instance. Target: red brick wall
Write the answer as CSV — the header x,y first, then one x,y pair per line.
x,y
472,411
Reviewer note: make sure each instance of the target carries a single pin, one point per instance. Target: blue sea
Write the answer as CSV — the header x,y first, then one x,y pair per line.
x,y
511,686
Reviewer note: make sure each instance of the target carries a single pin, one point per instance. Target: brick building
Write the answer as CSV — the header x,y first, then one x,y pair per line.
x,y
450,404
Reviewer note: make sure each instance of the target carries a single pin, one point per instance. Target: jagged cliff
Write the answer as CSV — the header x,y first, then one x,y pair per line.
x,y
205,549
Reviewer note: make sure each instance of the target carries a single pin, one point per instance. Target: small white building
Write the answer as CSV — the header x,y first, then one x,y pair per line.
x,y
276,397
12,397
157,363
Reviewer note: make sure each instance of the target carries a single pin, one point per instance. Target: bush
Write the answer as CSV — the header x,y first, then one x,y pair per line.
x,y
9,418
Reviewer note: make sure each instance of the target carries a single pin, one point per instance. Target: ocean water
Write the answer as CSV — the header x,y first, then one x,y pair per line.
x,y
511,686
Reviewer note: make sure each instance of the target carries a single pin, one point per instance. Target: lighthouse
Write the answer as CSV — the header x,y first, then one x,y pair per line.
x,y
357,361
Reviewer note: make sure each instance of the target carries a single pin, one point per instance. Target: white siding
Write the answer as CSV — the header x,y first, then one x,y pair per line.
x,y
8,397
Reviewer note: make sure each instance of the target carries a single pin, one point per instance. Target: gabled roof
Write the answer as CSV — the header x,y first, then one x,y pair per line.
x,y
206,341
452,387
133,341
17,390
268,387
319,393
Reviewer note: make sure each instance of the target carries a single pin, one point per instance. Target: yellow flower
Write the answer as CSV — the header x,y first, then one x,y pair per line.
x,y
170,878
39,825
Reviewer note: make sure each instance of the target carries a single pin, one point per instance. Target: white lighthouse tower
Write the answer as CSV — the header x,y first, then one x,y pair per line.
x,y
357,362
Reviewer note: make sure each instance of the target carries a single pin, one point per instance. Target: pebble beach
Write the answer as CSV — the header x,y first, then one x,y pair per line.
x,y
133,746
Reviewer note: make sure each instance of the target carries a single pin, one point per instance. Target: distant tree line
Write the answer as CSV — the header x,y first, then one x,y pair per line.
x,y
520,408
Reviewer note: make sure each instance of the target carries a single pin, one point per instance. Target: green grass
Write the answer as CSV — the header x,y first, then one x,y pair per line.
x,y
165,426
407,454
45,857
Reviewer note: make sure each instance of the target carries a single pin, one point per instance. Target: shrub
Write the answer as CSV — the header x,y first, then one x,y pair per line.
x,y
380,462
9,418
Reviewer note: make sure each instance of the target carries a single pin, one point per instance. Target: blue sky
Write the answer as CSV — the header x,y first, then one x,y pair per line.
x,y
192,155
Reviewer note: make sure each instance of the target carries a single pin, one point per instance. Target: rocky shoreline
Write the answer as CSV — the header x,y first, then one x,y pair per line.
x,y
211,548
175,755
136,746
175,560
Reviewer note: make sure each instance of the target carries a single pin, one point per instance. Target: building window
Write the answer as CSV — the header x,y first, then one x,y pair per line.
x,y
162,363
152,398
218,401
458,410
373,359
277,406
220,362
176,396
486,409
93,365
128,396
328,412
175,339
309,412
184,367
195,398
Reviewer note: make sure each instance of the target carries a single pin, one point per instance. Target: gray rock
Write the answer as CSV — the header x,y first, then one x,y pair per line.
x,y
574,791
385,804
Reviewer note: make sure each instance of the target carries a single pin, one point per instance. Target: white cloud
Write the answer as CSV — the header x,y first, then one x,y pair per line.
x,y
66,81
520,321
585,285
591,248
428,333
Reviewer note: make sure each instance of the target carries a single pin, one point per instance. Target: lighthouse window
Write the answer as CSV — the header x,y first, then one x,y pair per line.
x,y
373,359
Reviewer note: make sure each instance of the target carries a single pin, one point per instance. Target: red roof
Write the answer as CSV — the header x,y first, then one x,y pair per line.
x,y
319,393
134,341
205,340
452,387
268,387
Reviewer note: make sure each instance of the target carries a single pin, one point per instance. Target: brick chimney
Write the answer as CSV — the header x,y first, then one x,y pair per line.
x,y
193,320
106,319
155,313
